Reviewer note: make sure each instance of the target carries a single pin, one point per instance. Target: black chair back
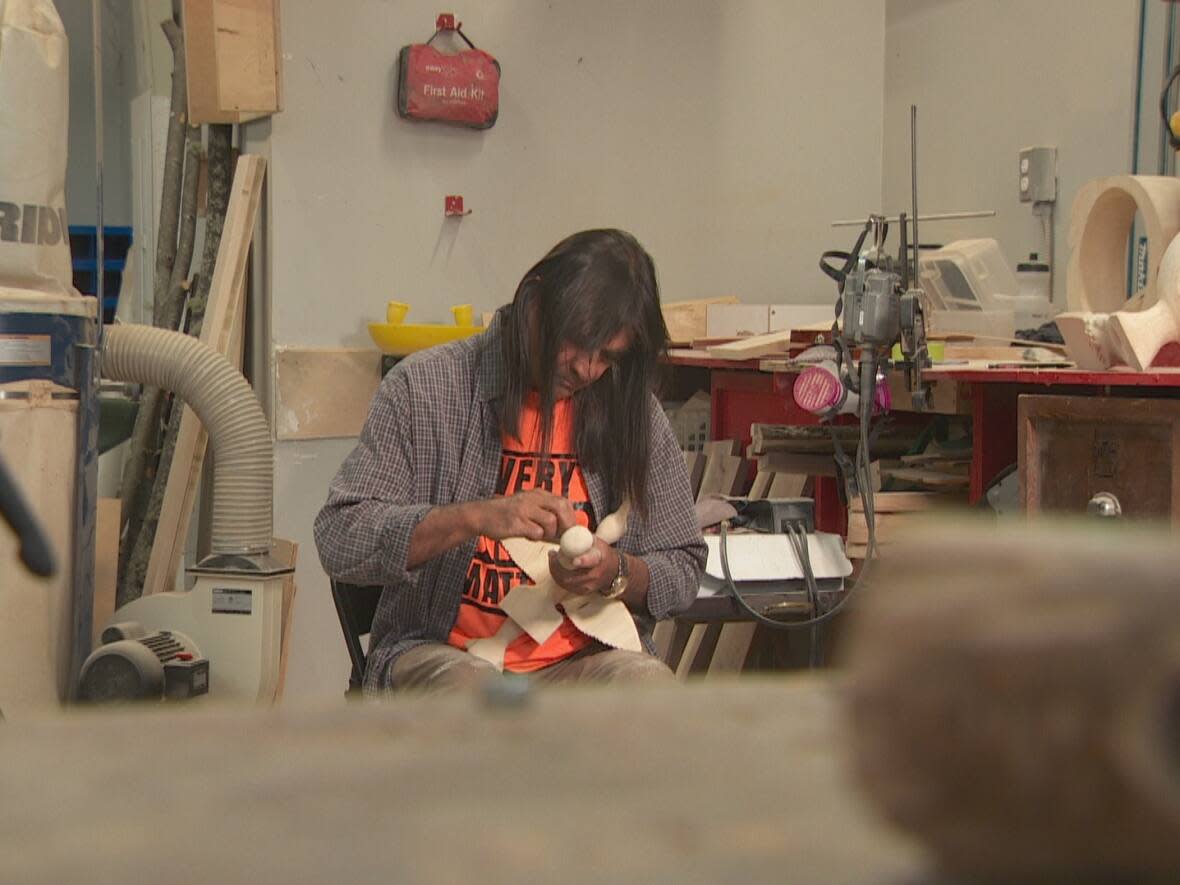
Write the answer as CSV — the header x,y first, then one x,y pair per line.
x,y
356,604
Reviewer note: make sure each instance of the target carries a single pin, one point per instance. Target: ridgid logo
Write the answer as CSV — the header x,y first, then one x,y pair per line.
x,y
29,223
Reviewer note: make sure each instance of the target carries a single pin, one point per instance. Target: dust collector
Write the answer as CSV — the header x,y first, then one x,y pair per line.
x,y
48,336
50,343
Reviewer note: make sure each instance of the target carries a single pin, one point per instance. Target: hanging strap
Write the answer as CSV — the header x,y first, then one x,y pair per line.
x,y
447,23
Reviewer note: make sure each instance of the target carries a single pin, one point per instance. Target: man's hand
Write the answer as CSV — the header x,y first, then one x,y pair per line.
x,y
535,514
592,572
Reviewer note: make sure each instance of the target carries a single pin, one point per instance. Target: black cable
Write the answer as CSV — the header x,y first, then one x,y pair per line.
x,y
36,549
457,29
843,362
841,274
814,621
868,383
865,388
798,536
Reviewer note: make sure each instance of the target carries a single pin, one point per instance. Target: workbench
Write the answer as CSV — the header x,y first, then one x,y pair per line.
x,y
714,782
748,391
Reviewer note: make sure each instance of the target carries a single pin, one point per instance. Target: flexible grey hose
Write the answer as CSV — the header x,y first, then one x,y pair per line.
x,y
243,484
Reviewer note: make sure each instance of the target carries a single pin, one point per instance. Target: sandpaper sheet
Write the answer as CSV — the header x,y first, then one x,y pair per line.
x,y
535,609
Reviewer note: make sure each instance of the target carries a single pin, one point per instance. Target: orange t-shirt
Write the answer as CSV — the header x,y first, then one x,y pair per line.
x,y
493,572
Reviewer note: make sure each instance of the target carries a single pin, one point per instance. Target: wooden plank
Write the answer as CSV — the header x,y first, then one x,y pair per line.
x,y
762,482
753,347
787,485
902,502
889,528
695,462
930,478
226,308
233,59
686,320
286,553
662,636
322,392
724,475
939,460
999,353
702,345
789,462
698,648
723,447
106,566
732,649
681,633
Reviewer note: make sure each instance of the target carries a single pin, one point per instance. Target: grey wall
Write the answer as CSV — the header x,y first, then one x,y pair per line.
x,y
119,84
725,135
990,77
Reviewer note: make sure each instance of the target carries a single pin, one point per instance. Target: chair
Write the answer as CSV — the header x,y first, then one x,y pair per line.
x,y
355,606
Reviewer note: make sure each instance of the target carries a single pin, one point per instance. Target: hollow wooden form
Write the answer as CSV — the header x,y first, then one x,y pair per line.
x,y
1100,222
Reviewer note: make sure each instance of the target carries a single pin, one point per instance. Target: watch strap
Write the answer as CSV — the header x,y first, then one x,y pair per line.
x,y
619,585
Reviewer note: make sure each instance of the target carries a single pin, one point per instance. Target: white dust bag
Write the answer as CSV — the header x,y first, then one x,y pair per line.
x,y
34,128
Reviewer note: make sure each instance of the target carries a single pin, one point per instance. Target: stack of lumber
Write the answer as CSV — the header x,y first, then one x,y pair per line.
x,y
817,439
786,474
719,469
899,516
752,347
937,471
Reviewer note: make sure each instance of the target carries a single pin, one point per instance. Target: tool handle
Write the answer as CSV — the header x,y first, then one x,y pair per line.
x,y
35,549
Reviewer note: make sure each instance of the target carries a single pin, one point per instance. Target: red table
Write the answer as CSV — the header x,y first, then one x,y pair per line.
x,y
743,394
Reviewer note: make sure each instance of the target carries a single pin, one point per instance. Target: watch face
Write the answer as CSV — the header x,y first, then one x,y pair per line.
x,y
617,588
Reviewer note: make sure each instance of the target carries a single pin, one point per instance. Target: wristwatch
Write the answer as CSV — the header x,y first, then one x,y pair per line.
x,y
619,585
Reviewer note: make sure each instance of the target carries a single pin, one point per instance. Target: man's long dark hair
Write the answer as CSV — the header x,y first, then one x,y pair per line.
x,y
589,288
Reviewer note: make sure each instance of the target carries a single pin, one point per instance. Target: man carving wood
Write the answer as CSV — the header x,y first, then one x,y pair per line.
x,y
545,421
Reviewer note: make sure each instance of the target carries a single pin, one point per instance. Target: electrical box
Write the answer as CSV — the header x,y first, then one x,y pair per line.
x,y
1038,175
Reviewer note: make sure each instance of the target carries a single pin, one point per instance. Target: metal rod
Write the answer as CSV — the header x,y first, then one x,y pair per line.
x,y
938,216
914,184
100,270
86,432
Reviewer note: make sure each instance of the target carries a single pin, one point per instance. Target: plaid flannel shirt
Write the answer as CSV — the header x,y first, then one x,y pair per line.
x,y
432,437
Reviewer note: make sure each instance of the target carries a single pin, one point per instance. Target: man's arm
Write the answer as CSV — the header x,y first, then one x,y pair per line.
x,y
363,531
373,530
534,514
668,541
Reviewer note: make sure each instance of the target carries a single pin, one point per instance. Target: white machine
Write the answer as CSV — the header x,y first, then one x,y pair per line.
x,y
236,620
762,564
970,288
781,565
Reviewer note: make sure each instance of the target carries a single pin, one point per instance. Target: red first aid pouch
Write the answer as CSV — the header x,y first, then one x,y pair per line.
x,y
461,88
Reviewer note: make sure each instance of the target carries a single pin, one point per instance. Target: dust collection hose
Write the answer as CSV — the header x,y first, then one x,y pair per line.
x,y
243,483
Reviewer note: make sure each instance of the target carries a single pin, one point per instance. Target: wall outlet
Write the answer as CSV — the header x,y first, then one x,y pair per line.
x,y
1038,175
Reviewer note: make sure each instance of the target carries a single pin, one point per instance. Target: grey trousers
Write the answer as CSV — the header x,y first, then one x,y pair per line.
x,y
437,666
